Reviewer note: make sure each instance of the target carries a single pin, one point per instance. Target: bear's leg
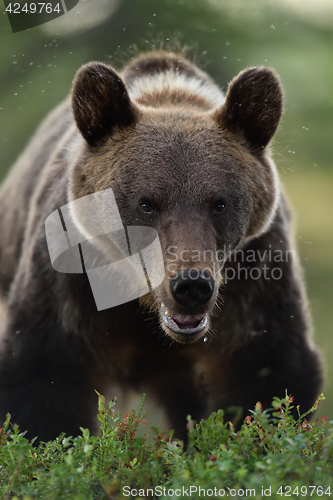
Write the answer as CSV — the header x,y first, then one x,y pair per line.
x,y
181,398
44,387
262,371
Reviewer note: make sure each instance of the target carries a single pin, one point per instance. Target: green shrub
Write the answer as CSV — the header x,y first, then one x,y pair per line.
x,y
271,455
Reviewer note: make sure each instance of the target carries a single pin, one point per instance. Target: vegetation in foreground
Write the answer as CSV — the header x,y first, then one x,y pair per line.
x,y
272,455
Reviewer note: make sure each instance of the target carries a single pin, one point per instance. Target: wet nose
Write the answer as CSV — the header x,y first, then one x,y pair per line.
x,y
192,288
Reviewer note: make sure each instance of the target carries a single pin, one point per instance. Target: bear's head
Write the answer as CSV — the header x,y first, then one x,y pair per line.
x,y
203,179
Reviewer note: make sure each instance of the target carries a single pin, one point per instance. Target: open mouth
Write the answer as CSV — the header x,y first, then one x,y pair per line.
x,y
184,324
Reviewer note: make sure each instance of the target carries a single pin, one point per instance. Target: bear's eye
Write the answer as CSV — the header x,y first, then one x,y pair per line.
x,y
146,207
219,207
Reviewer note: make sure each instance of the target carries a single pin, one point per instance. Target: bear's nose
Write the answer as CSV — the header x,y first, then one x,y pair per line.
x,y
192,288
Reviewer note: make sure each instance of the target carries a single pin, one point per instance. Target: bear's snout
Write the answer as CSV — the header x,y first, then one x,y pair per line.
x,y
192,288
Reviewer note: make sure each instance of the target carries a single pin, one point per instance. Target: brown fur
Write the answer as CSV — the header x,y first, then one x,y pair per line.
x,y
160,62
203,167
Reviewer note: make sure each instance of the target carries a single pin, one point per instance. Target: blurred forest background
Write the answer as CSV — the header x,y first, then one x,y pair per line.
x,y
292,36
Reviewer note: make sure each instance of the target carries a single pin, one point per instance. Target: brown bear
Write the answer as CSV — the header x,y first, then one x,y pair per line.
x,y
227,325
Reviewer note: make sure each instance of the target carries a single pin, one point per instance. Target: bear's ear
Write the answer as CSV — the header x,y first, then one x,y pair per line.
x,y
100,102
253,106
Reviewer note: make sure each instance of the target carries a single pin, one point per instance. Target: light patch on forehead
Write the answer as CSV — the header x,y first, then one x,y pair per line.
x,y
173,82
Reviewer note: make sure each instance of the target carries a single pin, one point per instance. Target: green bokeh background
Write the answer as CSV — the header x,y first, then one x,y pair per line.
x,y
37,67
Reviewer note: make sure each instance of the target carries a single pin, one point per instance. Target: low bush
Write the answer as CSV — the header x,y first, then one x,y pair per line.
x,y
271,455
